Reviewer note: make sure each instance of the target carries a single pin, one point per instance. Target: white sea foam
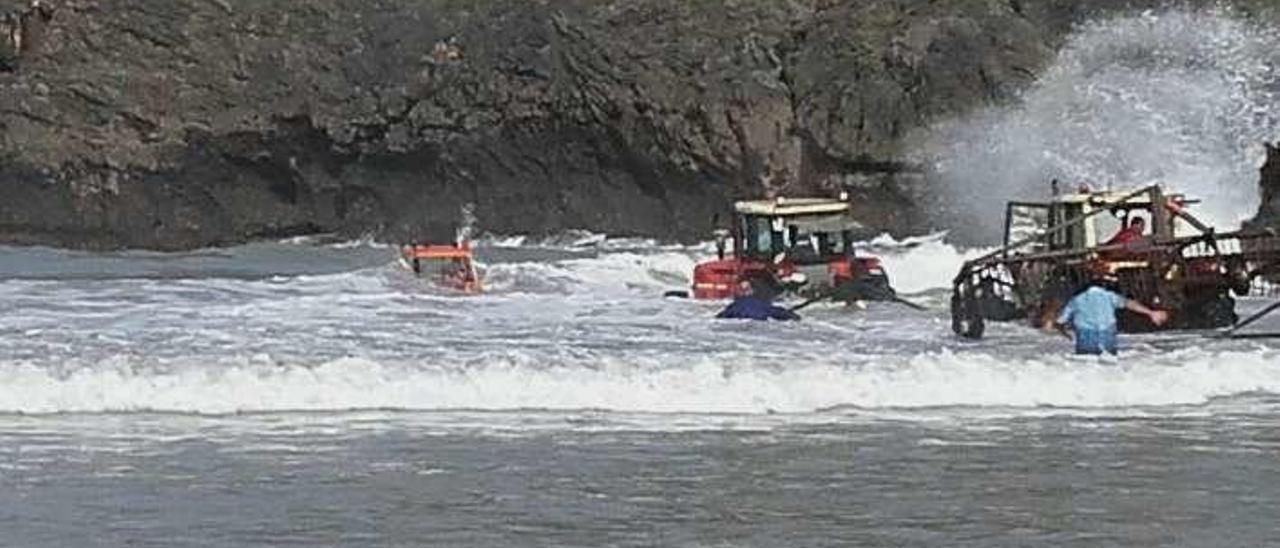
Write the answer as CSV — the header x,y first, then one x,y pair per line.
x,y
612,272
585,240
569,331
920,263
709,385
914,264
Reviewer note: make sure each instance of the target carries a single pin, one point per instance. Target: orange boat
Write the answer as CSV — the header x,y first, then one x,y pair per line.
x,y
449,265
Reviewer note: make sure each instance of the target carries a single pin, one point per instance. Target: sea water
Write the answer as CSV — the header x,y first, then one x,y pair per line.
x,y
320,395
309,394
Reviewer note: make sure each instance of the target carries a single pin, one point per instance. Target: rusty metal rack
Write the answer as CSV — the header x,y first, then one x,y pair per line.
x,y
1190,275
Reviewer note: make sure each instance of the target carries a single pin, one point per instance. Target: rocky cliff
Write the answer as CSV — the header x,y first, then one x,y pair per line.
x,y
181,123
1269,179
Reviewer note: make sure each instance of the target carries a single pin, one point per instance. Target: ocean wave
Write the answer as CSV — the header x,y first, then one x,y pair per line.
x,y
920,263
646,385
1180,97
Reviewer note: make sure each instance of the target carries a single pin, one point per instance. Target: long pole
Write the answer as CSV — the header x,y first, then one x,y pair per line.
x,y
1255,317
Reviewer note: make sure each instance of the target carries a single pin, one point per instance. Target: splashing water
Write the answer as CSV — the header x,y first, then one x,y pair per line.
x,y
563,327
467,228
1181,98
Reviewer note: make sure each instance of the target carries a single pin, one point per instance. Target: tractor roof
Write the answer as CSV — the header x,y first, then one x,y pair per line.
x,y
438,251
782,206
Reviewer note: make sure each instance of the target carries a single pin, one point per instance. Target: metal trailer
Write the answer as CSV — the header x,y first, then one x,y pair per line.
x,y
1051,249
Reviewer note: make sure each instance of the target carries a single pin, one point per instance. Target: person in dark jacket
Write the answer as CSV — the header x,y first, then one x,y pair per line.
x,y
755,303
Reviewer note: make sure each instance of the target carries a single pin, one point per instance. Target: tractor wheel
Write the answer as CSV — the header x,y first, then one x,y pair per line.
x,y
865,288
1219,312
1238,277
966,321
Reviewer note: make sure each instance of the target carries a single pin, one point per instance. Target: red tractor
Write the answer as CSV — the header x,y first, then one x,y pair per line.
x,y
448,265
802,245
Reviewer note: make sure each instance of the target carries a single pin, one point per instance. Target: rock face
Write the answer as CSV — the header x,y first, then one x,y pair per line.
x,y
182,123
1269,211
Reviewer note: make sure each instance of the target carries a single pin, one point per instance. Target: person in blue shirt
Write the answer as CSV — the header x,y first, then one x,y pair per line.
x,y
754,303
1091,314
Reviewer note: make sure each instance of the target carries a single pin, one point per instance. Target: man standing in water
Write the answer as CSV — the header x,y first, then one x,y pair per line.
x,y
755,303
1092,315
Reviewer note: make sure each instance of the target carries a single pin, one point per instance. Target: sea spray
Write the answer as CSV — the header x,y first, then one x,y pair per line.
x,y
920,263
467,226
1182,98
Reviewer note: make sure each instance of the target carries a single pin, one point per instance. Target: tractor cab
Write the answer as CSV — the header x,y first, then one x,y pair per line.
x,y
807,243
1099,217
447,265
804,230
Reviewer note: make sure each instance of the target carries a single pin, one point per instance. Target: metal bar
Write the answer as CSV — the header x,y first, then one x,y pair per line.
x,y
1161,227
1190,219
1059,228
1255,317
1255,336
1153,247
1008,222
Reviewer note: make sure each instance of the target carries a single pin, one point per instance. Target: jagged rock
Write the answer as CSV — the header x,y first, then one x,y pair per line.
x,y
1269,210
181,123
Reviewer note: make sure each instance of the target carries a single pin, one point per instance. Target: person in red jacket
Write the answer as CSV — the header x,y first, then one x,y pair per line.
x,y
1135,232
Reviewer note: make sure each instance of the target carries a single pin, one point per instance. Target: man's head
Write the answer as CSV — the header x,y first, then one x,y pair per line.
x,y
1138,224
760,286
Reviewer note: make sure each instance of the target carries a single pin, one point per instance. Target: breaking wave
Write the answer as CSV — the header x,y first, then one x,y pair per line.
x,y
914,264
1182,98
708,385
568,326
919,264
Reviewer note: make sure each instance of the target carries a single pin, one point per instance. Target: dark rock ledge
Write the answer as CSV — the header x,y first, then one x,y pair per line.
x,y
174,124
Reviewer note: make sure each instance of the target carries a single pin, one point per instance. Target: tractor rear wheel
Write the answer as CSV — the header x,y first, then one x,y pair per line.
x,y
966,320
866,287
1238,276
1219,312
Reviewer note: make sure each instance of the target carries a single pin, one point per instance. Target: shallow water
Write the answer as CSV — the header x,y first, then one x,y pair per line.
x,y
589,479
313,394
318,395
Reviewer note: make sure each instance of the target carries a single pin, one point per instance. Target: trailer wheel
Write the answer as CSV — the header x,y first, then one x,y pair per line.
x,y
1238,276
864,288
1220,312
966,321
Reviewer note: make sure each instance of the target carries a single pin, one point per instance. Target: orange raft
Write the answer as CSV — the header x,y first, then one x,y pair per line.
x,y
449,265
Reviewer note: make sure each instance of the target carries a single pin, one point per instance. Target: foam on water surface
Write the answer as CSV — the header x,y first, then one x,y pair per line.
x,y
753,384
577,322
567,327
